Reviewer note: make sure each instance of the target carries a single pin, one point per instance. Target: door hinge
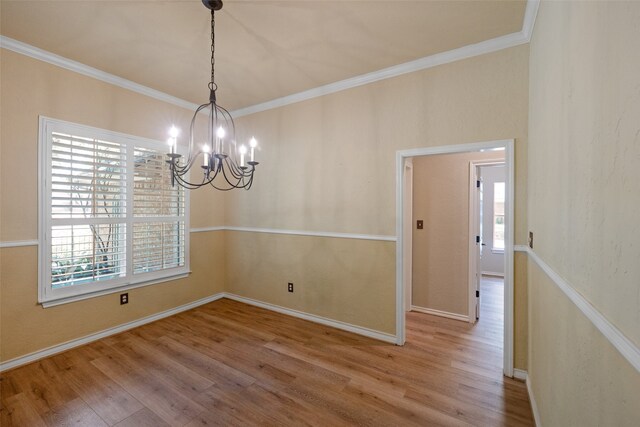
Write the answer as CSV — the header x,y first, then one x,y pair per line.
x,y
477,239
477,294
478,183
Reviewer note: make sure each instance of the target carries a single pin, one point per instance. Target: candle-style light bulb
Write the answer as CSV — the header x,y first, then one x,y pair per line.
x,y
220,133
205,151
173,135
243,151
253,144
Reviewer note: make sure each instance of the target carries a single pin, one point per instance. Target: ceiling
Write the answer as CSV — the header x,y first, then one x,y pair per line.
x,y
264,49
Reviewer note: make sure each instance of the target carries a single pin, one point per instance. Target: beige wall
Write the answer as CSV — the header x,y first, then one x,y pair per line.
x,y
584,207
441,248
329,164
341,279
31,88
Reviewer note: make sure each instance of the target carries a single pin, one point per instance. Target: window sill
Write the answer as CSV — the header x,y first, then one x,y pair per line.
x,y
59,301
497,251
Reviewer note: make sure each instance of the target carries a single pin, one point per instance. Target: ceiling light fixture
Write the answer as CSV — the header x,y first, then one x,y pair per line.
x,y
219,151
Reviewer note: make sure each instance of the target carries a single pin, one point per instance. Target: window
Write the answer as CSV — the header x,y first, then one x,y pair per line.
x,y
109,217
498,216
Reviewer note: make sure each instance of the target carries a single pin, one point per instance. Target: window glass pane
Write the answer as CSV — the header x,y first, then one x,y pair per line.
x,y
153,194
83,254
88,178
157,245
498,215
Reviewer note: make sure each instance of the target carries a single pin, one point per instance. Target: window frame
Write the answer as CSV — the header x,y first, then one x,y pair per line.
x,y
47,296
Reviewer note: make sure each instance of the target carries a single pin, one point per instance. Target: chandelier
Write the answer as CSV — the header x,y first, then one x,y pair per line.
x,y
218,154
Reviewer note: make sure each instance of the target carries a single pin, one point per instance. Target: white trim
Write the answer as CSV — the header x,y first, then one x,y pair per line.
x,y
508,145
204,229
474,248
627,348
59,348
532,401
440,313
408,234
530,15
521,248
17,243
77,67
492,273
314,233
509,233
465,52
11,244
125,287
381,336
520,374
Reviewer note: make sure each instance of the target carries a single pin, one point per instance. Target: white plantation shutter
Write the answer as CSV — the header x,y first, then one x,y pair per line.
x,y
109,215
88,210
157,243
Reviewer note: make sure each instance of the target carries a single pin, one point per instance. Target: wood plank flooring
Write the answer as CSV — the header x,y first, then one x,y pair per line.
x,y
227,363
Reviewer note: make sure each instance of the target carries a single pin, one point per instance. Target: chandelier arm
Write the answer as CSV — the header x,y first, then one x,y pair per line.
x,y
239,179
191,131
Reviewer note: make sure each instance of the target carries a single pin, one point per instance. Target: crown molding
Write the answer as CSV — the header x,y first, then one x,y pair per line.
x,y
80,68
469,51
465,52
530,15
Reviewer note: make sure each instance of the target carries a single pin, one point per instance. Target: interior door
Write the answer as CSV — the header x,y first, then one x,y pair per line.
x,y
479,244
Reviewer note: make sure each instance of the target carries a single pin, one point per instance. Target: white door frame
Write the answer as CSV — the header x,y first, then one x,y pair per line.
x,y
401,156
475,272
408,233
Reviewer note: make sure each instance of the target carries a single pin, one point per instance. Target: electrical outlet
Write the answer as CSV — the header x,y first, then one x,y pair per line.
x,y
290,287
531,239
124,299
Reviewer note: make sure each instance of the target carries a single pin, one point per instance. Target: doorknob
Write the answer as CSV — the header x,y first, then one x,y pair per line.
x,y
484,244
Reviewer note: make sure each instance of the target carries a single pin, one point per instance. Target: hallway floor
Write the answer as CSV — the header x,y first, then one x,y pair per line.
x,y
468,359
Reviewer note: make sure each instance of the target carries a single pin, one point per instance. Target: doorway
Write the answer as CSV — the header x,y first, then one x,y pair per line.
x,y
487,184
401,234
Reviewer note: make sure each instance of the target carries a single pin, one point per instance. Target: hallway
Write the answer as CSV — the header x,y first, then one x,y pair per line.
x,y
468,362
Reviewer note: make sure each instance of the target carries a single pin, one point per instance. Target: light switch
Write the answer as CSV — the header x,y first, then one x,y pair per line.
x,y
420,224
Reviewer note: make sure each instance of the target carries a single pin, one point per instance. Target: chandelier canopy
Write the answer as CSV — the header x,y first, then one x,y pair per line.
x,y
223,164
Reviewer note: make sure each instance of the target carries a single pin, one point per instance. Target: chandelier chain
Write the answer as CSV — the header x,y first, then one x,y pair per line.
x,y
213,47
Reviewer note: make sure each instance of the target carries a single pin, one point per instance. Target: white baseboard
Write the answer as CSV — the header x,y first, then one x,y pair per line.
x,y
381,336
534,406
519,374
59,348
440,313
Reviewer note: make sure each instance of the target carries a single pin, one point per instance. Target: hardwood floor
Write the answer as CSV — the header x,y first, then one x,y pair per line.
x,y
227,363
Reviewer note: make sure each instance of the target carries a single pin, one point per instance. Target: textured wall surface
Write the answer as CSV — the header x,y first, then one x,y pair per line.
x,y
584,205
